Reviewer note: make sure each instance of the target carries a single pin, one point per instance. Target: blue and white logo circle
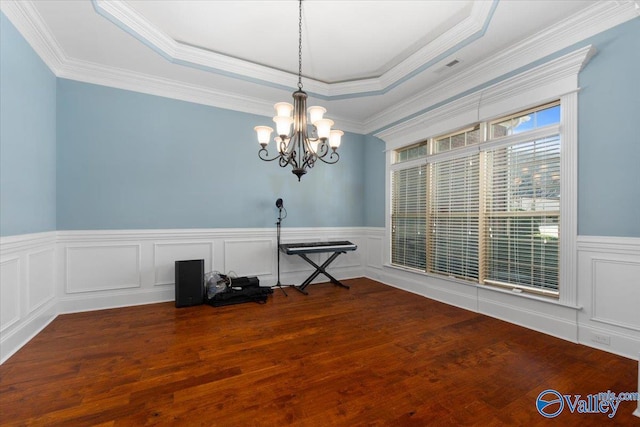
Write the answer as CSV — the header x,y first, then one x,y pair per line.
x,y
549,403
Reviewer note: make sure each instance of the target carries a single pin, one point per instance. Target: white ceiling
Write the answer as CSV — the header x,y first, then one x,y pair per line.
x,y
370,63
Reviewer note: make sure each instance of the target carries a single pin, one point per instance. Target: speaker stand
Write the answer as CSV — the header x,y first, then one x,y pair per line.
x,y
278,225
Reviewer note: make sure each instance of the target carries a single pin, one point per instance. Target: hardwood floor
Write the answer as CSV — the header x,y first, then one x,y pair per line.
x,y
371,355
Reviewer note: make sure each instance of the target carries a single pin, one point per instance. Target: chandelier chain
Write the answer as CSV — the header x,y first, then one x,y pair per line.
x,y
300,141
300,45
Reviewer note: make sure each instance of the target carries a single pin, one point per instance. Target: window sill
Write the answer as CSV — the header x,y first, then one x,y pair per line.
x,y
538,298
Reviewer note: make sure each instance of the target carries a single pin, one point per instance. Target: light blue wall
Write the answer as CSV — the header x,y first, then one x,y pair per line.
x,y
609,136
133,161
27,137
127,160
374,178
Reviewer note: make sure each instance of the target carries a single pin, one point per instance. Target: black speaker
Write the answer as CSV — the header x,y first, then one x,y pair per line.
x,y
189,282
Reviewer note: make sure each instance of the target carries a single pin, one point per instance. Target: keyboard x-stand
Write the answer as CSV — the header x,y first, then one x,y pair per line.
x,y
302,249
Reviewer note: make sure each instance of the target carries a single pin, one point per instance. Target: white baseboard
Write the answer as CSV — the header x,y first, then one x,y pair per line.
x,y
89,302
28,328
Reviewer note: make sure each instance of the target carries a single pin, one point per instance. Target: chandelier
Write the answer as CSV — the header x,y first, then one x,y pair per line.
x,y
299,144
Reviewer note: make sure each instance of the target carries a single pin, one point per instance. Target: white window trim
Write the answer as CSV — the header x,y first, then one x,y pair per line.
x,y
555,79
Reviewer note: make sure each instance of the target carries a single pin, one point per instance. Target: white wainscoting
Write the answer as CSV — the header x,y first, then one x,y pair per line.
x,y
49,273
609,290
27,288
104,269
46,274
165,255
606,316
252,257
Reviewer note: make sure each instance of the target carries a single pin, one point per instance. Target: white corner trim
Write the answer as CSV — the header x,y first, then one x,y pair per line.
x,y
25,17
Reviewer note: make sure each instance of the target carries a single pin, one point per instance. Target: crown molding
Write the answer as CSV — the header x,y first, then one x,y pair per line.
x,y
129,20
541,83
599,17
470,28
135,24
89,72
25,17
98,74
593,20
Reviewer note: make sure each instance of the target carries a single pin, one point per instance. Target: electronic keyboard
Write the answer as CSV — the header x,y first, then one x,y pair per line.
x,y
317,247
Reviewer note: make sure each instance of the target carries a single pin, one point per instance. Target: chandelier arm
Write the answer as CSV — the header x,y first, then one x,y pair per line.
x,y
309,161
330,162
323,149
293,159
284,161
263,154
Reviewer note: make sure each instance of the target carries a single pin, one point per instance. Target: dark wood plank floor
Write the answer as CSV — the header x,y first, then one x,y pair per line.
x,y
371,355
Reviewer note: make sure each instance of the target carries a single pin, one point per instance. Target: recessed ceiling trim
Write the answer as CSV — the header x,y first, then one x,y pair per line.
x,y
132,22
136,25
556,77
593,20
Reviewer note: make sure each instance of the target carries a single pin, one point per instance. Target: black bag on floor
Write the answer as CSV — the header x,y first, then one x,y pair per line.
x,y
241,290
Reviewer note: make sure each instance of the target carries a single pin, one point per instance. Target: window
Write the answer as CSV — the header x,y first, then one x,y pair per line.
x,y
485,209
453,217
522,215
408,217
458,139
412,152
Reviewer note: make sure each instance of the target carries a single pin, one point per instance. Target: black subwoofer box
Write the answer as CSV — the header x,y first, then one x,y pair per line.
x,y
189,282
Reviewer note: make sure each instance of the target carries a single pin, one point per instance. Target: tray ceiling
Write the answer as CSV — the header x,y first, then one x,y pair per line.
x,y
370,63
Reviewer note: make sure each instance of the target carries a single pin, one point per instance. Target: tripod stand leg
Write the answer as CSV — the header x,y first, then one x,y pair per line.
x,y
279,285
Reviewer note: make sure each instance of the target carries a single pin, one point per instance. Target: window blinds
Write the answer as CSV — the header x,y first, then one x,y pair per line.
x,y
408,216
522,190
453,214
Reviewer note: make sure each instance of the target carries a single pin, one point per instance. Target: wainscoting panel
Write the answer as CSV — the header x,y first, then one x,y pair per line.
x,y
248,257
609,292
40,273
166,254
9,292
374,252
91,268
27,288
615,300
